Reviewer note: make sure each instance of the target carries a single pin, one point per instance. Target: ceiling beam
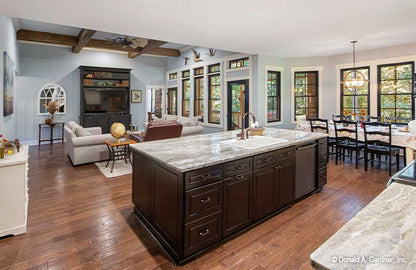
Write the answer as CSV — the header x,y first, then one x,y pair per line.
x,y
72,41
151,45
84,37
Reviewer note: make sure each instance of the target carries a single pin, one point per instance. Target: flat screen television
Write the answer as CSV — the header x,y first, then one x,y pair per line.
x,y
106,100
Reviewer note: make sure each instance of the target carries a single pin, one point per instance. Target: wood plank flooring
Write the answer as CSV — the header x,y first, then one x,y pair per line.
x,y
78,219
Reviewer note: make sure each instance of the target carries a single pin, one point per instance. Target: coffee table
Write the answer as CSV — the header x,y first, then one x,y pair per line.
x,y
115,153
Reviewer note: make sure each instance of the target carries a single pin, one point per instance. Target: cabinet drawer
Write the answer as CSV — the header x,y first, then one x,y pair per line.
x,y
202,233
322,160
203,201
203,176
264,160
238,167
286,153
322,177
323,143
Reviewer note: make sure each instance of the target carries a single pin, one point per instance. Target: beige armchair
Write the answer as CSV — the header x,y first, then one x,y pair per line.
x,y
85,145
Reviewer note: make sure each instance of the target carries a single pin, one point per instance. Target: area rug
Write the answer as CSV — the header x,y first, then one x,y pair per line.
x,y
120,168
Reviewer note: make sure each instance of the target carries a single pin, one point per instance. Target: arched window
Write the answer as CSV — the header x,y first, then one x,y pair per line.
x,y
51,92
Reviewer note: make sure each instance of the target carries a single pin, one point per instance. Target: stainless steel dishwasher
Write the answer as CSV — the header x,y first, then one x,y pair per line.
x,y
305,169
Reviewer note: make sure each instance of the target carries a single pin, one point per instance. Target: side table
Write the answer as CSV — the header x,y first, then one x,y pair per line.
x,y
51,126
115,153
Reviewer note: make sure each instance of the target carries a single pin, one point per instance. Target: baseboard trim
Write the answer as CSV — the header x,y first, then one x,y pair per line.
x,y
14,231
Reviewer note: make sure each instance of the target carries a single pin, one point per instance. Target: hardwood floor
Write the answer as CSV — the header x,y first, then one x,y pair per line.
x,y
78,219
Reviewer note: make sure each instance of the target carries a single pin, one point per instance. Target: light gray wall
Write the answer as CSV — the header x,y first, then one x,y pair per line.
x,y
179,62
8,44
330,74
42,64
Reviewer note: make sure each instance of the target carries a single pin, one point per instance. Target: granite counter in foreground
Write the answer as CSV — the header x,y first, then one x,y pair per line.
x,y
381,236
194,152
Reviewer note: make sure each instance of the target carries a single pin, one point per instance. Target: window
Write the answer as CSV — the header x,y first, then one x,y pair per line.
x,y
244,62
355,100
306,94
186,74
173,76
214,68
52,92
214,96
186,97
199,92
395,91
273,96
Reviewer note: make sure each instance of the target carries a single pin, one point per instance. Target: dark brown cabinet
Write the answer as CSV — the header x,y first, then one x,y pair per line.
x,y
284,187
190,211
237,203
263,192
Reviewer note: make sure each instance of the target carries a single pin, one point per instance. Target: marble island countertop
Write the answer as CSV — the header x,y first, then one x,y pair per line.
x,y
194,152
381,236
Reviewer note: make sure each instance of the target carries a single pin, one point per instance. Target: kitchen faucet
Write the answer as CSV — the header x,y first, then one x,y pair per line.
x,y
243,116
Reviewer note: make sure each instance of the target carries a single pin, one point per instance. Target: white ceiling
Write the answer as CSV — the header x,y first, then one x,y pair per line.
x,y
285,28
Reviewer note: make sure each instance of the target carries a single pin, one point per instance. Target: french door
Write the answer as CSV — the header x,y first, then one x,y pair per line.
x,y
237,100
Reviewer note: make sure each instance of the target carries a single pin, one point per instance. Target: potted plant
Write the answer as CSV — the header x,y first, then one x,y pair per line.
x,y
52,108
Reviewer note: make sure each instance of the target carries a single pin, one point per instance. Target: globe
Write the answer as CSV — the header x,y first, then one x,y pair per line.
x,y
117,130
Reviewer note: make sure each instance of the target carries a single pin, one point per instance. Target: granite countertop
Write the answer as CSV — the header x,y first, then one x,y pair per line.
x,y
381,236
194,152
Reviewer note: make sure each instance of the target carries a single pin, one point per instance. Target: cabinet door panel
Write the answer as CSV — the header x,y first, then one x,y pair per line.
x,y
141,184
237,203
263,192
284,188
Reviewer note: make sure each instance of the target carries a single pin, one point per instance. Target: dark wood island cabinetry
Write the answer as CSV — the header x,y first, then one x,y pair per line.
x,y
190,211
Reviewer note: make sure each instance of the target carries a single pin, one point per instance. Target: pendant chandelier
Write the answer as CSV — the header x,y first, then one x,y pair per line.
x,y
354,78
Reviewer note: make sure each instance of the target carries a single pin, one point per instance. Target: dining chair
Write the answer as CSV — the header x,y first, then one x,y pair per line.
x,y
338,117
346,136
369,118
377,138
397,120
321,125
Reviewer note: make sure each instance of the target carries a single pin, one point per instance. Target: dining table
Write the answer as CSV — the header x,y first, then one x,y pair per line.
x,y
400,136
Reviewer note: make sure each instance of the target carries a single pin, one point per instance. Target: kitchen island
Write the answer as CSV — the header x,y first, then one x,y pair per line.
x,y
192,193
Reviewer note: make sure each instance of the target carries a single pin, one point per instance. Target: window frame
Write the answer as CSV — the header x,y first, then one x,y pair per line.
x,y
211,75
183,82
201,98
278,95
244,59
342,88
412,63
55,86
317,90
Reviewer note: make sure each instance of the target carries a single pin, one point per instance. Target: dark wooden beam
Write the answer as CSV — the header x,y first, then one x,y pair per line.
x,y
151,46
83,38
72,41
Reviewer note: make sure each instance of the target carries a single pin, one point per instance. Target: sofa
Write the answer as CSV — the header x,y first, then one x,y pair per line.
x,y
159,130
85,145
191,125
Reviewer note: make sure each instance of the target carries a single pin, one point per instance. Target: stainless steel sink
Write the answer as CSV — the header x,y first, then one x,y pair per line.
x,y
254,142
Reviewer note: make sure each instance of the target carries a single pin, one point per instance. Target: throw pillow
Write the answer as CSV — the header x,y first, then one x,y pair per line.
x,y
186,124
171,117
73,126
193,121
81,132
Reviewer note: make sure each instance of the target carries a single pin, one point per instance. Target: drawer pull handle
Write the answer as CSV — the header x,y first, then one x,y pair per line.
x,y
204,233
205,200
239,177
237,168
205,176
